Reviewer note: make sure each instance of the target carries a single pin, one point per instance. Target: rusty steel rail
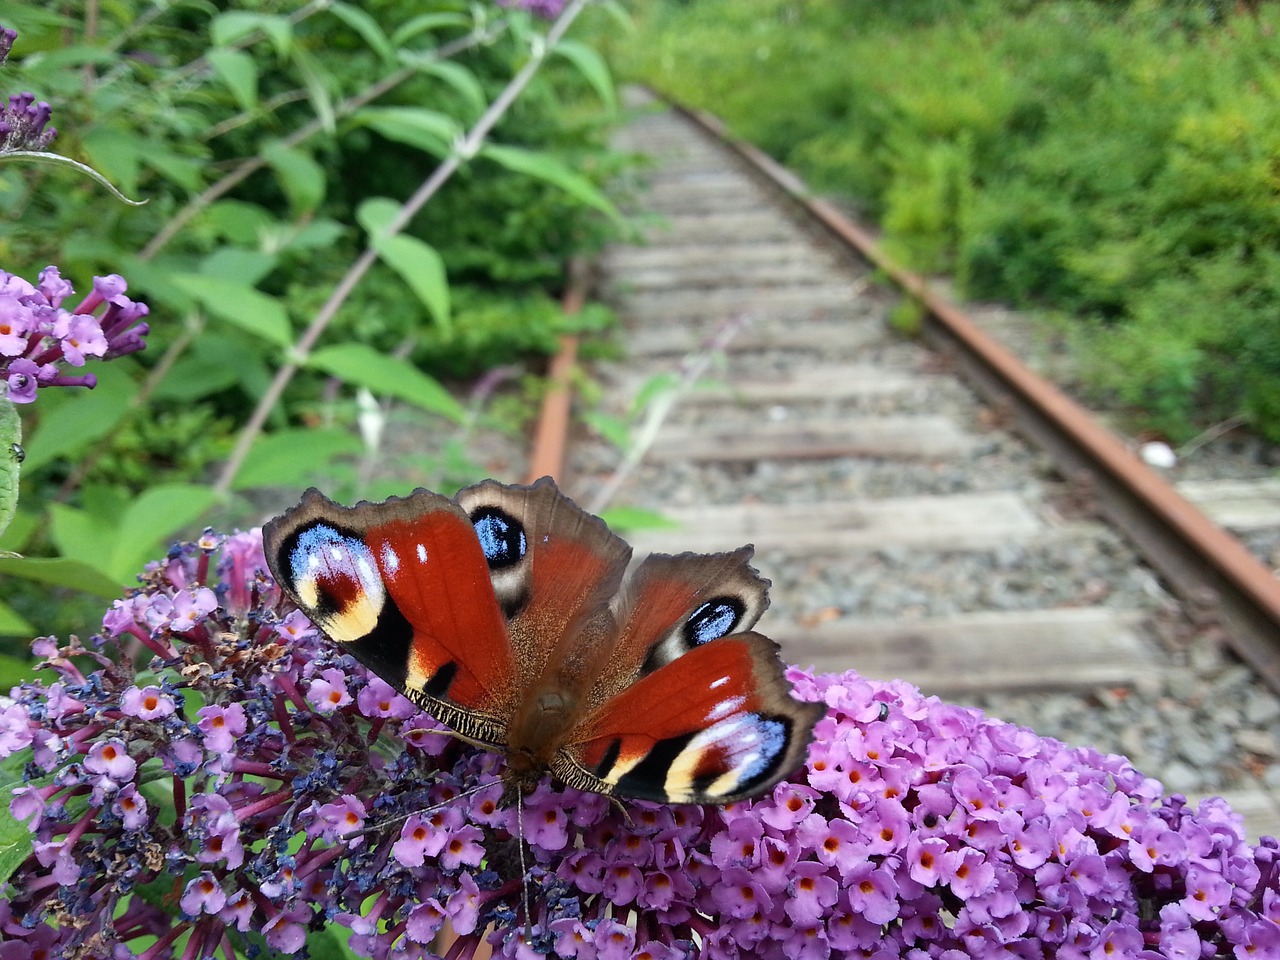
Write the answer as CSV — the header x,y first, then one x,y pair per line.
x,y
551,434
1215,575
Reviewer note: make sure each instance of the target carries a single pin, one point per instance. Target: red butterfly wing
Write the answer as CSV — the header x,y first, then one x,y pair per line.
x,y
715,725
404,587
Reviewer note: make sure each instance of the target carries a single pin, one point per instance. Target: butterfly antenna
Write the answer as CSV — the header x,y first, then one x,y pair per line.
x,y
524,870
392,821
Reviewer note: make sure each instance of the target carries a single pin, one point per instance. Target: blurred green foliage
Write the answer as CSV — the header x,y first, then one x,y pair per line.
x,y
1117,163
272,139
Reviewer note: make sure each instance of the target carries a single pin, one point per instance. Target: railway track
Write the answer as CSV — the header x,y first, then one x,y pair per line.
x,y
908,531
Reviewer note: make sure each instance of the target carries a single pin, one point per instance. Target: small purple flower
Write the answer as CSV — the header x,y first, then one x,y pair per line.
x,y
81,336
341,818
37,333
7,37
24,124
149,703
203,895
378,699
131,807
111,759
329,692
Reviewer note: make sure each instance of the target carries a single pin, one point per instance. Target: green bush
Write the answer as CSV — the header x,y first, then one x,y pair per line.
x,y
264,186
1116,162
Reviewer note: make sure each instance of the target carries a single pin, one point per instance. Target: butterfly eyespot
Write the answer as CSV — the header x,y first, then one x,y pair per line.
x,y
714,619
501,537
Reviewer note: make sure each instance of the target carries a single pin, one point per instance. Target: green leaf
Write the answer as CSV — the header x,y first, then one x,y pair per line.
x,y
422,268
330,944
455,75
425,23
313,234
313,78
592,67
546,167
114,153
428,130
57,159
11,454
292,458
12,624
238,221
151,522
361,365
184,171
228,28
20,531
238,265
239,71
247,308
376,214
417,262
15,838
80,418
654,387
301,178
634,518
16,670
213,363
613,429
367,27
84,536
62,572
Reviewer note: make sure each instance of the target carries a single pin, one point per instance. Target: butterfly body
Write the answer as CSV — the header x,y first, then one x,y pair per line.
x,y
506,613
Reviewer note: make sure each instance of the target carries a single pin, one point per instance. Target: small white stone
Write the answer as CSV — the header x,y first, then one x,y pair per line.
x,y
1157,453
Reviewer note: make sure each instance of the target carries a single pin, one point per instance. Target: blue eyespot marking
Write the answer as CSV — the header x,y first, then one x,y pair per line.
x,y
501,537
714,619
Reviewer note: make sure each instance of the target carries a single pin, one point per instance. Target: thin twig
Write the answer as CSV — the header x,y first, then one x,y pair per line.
x,y
468,147
692,367
1210,435
266,108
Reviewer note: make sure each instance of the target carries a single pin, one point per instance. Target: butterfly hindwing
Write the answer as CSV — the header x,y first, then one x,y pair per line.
x,y
673,603
404,587
715,725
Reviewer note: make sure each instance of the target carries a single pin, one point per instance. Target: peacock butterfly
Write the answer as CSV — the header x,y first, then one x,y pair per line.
x,y
504,613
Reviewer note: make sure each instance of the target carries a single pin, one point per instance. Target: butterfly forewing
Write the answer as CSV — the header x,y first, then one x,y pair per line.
x,y
404,587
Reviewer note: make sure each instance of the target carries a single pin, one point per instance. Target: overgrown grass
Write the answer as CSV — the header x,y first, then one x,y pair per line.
x,y
1117,164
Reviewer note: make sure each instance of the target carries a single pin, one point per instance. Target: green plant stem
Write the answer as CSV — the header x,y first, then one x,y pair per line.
x,y
247,117
303,133
463,151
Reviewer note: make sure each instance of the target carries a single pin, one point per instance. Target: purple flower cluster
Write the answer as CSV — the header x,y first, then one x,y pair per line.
x,y
7,38
24,124
548,9
226,771
37,334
